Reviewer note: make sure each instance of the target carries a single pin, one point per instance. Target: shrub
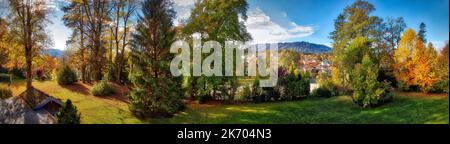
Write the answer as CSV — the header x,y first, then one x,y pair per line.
x,y
18,72
5,93
288,86
322,92
326,83
4,77
103,88
387,97
439,86
367,91
305,85
68,114
294,86
388,76
256,92
247,93
203,99
269,94
42,75
67,76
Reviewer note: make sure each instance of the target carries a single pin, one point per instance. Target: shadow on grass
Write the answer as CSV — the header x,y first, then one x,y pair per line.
x,y
78,88
119,95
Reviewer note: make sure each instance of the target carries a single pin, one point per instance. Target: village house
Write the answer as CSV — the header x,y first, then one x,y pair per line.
x,y
315,66
39,109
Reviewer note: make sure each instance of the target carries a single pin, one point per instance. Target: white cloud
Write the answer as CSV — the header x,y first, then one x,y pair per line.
x,y
183,9
184,2
259,25
264,30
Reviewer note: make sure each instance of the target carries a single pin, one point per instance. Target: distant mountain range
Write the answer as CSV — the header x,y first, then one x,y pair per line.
x,y
305,47
54,52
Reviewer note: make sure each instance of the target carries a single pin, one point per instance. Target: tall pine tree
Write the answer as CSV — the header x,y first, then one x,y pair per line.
x,y
155,92
422,33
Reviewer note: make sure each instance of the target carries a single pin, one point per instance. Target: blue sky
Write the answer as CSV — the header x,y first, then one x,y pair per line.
x,y
312,20
319,14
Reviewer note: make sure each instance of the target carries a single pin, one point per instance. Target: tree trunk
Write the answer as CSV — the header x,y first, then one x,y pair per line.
x,y
29,73
82,48
191,88
28,51
97,58
118,71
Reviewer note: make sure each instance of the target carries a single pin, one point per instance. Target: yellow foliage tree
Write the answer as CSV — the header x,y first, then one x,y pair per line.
x,y
421,66
442,69
415,64
431,55
403,56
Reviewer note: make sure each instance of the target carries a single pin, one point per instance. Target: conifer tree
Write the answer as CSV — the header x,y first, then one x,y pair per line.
x,y
422,32
366,88
68,114
155,93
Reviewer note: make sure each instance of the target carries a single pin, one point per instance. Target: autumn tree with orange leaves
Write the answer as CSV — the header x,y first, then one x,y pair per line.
x,y
415,64
403,67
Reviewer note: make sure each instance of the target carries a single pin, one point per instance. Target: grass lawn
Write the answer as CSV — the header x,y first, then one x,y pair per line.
x,y
407,108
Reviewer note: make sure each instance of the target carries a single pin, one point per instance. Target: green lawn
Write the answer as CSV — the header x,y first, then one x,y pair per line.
x,y
422,110
407,108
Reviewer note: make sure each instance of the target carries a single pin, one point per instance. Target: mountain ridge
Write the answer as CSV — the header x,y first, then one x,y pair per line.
x,y
305,47
54,52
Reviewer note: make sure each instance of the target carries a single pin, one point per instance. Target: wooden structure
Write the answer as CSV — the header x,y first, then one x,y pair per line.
x,y
42,101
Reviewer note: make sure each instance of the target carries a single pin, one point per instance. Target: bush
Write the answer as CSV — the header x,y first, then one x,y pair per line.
x,y
388,76
269,94
19,73
203,99
4,77
326,83
322,92
103,88
367,91
5,93
68,114
438,87
256,95
387,97
247,93
294,86
67,76
42,75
